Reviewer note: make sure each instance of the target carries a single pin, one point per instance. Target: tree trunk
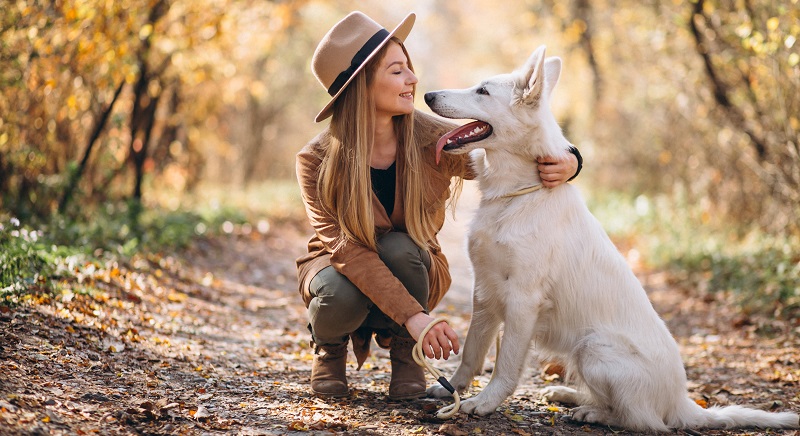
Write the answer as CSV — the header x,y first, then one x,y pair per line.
x,y
583,12
721,92
140,123
75,176
144,107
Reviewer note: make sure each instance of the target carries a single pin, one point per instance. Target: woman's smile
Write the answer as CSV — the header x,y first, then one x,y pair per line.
x,y
393,86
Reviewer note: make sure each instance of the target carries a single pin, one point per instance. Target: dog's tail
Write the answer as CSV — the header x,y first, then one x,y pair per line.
x,y
694,416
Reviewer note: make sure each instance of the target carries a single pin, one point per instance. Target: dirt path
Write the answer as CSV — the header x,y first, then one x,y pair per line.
x,y
214,342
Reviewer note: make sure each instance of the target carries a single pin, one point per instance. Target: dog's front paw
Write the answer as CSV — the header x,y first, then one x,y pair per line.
x,y
591,414
560,394
438,392
476,406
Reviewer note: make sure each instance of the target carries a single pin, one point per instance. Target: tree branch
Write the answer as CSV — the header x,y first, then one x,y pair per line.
x,y
720,89
583,12
98,129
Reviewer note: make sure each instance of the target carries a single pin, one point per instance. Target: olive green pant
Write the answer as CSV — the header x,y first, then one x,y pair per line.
x,y
338,307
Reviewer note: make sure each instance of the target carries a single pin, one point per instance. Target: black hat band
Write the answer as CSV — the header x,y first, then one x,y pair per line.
x,y
358,59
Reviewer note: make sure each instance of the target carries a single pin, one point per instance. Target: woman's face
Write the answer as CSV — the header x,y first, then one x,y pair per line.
x,y
393,84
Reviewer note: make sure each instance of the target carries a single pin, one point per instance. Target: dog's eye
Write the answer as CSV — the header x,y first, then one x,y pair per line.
x,y
482,91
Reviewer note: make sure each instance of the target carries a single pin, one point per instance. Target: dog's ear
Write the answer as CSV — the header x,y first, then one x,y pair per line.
x,y
552,71
534,74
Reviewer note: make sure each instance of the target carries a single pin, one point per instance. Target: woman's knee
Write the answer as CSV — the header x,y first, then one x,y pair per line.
x,y
397,249
334,291
337,306
409,263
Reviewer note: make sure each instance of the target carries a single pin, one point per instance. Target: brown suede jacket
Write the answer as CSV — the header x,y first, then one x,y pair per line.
x,y
360,264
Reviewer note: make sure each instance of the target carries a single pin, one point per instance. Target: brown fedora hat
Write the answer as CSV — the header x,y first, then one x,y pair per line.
x,y
346,48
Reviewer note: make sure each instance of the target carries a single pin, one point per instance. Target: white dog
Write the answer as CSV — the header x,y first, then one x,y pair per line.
x,y
546,269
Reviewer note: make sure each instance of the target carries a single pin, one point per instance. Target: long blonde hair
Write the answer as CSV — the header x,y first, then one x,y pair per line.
x,y
345,184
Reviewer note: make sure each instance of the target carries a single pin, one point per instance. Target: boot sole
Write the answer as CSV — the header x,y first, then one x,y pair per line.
x,y
414,396
331,395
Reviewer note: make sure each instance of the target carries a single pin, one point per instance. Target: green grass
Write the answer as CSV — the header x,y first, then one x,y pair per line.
x,y
35,257
700,251
22,258
275,200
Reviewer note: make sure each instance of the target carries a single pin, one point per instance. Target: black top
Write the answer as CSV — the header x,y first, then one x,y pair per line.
x,y
383,184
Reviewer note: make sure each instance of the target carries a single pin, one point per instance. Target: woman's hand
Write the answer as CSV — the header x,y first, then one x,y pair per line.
x,y
554,172
440,340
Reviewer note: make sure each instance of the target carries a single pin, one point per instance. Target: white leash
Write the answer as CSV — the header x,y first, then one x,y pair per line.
x,y
419,357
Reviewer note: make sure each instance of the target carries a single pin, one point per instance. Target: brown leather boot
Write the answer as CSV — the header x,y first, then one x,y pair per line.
x,y
328,377
408,378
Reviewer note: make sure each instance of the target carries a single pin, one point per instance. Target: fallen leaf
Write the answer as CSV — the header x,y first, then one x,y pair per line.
x,y
201,412
554,369
451,430
513,416
298,426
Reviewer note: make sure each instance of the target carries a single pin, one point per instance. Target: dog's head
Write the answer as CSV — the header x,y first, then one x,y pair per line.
x,y
509,109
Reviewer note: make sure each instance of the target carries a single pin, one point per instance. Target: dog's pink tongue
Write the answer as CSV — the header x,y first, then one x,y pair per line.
x,y
458,131
441,143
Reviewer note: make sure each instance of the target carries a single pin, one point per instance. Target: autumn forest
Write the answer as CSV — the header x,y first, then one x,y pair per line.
x,y
148,201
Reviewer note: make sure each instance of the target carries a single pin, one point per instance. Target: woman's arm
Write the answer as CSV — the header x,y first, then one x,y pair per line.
x,y
360,264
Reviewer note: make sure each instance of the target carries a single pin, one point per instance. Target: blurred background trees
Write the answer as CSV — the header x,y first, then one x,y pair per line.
x,y
694,103
105,101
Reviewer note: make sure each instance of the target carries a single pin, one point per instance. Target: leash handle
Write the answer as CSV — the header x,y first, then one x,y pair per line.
x,y
446,384
419,357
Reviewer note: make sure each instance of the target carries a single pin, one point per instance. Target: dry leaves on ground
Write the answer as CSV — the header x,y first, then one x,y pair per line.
x,y
214,341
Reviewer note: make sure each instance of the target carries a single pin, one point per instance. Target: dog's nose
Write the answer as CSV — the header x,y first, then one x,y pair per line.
x,y
430,97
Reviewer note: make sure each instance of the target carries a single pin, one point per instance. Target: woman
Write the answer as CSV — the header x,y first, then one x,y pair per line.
x,y
376,199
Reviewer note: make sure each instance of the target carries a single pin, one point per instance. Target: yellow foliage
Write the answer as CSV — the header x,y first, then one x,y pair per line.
x,y
772,23
226,62
573,33
177,297
145,31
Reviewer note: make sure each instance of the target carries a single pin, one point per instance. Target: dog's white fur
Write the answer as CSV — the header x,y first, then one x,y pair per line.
x,y
546,269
